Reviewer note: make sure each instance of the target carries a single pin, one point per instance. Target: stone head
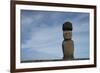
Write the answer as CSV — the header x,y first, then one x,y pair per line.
x,y
67,30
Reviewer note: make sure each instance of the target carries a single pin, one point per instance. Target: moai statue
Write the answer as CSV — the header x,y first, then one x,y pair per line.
x,y
68,44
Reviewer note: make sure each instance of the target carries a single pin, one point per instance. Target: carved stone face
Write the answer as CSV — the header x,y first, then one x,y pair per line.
x,y
67,35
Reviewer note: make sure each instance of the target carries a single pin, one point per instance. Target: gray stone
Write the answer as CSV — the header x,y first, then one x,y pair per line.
x,y
68,44
68,49
67,35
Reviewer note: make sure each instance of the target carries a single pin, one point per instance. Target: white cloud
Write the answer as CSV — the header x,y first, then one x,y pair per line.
x,y
45,40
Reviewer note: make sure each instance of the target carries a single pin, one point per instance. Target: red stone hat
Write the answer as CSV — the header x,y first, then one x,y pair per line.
x,y
67,26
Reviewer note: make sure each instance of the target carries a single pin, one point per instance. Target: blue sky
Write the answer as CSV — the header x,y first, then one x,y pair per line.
x,y
42,35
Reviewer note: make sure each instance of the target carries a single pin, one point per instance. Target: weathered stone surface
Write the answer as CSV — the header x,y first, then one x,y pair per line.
x,y
67,35
68,44
68,49
67,26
